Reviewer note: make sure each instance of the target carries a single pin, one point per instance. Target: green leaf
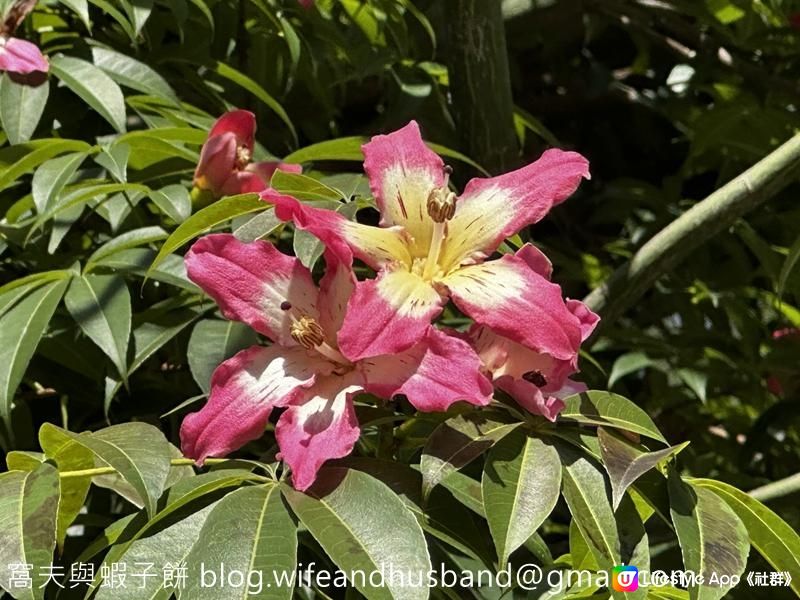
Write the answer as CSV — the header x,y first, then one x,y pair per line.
x,y
28,506
213,342
51,177
15,161
776,540
114,159
132,73
362,525
625,463
93,86
303,187
68,455
138,452
125,241
21,108
521,483
101,306
713,539
788,267
81,8
609,410
307,247
21,460
628,363
457,442
21,328
348,148
211,216
249,530
580,553
174,201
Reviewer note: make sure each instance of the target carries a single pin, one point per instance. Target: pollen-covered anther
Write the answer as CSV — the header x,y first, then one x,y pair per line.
x,y
308,333
243,157
537,378
441,204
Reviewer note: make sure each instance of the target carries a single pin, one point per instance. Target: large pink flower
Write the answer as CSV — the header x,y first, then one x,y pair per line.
x,y
303,370
19,56
432,246
536,380
226,166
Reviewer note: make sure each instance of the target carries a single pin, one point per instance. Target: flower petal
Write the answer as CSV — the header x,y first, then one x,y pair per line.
x,y
531,398
402,172
536,260
490,210
249,281
244,390
266,169
514,301
376,246
433,374
319,427
241,123
23,57
217,163
388,315
335,289
587,319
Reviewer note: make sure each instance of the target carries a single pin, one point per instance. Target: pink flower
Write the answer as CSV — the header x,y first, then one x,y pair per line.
x,y
19,56
306,3
303,370
432,246
226,166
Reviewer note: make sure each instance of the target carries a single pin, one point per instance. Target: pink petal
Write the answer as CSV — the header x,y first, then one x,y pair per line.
x,y
244,390
266,169
335,289
388,315
402,172
217,163
588,320
377,247
491,210
241,123
531,398
536,260
514,301
250,281
434,374
320,426
244,182
23,57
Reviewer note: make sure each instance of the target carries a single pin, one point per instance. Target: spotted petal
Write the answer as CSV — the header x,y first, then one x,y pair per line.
x,y
250,281
514,301
491,210
402,172
433,374
244,390
320,426
388,315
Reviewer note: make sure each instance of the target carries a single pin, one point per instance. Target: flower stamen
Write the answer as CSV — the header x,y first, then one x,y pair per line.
x,y
441,208
243,157
310,335
537,378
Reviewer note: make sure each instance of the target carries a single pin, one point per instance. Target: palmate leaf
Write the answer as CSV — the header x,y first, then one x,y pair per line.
x,y
249,530
364,527
521,484
713,539
28,507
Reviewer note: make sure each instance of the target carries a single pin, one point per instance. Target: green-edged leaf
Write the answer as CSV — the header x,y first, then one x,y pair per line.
x,y
521,483
101,305
213,342
457,442
21,108
776,540
125,241
713,539
303,187
625,463
250,529
17,160
23,460
21,328
173,201
609,410
68,455
580,553
93,86
138,452
211,216
362,525
132,73
51,177
28,507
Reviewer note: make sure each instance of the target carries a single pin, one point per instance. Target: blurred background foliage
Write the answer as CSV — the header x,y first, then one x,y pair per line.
x,y
669,99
